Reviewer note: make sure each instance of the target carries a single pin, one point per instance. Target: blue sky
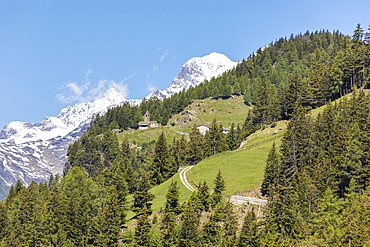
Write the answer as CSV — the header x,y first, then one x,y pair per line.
x,y
58,53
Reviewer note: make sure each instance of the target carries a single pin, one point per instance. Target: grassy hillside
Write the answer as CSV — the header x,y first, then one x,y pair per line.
x,y
243,168
226,111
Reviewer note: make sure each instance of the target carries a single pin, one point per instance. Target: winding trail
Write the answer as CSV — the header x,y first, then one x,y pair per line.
x,y
233,199
184,180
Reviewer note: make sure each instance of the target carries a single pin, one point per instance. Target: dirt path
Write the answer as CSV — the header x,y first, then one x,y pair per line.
x,y
184,180
233,199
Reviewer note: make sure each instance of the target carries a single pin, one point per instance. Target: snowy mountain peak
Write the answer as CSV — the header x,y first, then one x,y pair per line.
x,y
195,71
68,119
213,58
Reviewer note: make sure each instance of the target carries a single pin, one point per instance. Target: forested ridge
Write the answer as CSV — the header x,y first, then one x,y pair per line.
x,y
316,181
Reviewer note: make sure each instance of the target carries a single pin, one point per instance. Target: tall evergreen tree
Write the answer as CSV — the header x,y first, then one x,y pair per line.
x,y
172,208
161,165
218,189
195,146
189,229
249,233
273,164
142,197
232,138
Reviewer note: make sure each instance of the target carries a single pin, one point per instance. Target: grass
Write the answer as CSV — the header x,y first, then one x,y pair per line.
x,y
160,192
146,136
226,111
241,169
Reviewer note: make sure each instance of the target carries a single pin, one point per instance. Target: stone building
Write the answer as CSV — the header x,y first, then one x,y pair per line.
x,y
146,124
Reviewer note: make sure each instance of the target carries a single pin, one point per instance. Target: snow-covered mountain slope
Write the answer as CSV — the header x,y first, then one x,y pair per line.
x,y
34,151
68,120
195,71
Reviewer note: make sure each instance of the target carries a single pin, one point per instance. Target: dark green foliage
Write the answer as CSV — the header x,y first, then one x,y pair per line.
x,y
105,226
273,164
230,225
3,220
142,237
162,166
214,140
211,232
142,197
218,189
195,147
249,235
171,210
172,199
232,139
189,230
203,196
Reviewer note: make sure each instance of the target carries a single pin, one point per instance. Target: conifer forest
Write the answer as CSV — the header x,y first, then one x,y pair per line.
x,y
316,181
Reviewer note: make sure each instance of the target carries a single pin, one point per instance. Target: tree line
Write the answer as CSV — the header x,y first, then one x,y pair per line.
x,y
317,181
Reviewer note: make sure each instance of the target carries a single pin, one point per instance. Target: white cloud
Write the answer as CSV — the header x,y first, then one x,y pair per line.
x,y
155,67
87,91
151,88
88,72
165,53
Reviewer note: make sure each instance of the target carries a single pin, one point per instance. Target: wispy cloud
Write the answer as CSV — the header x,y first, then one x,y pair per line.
x,y
87,73
165,53
151,88
155,67
87,91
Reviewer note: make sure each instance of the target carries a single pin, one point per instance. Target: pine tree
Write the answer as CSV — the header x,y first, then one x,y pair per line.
x,y
172,198
105,226
249,233
272,167
367,36
293,95
232,139
358,33
250,125
218,189
54,219
162,167
283,219
211,232
29,216
229,228
195,146
327,221
142,197
203,196
266,110
189,228
214,140
3,220
118,190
